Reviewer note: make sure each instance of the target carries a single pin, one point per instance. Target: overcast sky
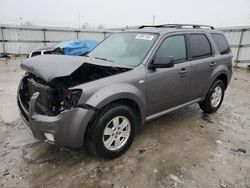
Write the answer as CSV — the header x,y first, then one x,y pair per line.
x,y
115,13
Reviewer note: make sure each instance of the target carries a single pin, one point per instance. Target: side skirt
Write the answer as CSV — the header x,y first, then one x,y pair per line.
x,y
148,118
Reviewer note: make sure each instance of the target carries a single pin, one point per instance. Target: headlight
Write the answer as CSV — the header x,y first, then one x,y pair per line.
x,y
71,98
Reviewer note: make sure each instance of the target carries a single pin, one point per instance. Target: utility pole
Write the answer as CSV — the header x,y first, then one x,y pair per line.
x,y
79,20
153,19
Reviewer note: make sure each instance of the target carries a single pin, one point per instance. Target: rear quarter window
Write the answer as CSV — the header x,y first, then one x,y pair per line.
x,y
199,46
221,43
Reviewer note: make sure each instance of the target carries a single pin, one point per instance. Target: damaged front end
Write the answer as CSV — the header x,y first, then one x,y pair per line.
x,y
47,102
55,96
52,99
51,112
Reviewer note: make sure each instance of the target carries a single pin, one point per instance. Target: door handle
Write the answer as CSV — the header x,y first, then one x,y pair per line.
x,y
182,71
212,64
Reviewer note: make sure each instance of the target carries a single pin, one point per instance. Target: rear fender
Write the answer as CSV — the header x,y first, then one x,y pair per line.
x,y
220,69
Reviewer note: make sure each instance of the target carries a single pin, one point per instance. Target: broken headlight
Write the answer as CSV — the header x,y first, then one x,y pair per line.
x,y
71,98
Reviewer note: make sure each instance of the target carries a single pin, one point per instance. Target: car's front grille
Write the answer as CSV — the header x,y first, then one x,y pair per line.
x,y
47,94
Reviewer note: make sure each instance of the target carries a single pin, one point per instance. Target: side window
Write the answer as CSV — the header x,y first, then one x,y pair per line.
x,y
175,47
221,43
199,46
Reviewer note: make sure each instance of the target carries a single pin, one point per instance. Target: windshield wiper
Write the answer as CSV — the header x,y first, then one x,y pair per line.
x,y
103,59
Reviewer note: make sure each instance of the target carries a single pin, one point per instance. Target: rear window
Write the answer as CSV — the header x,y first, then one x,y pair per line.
x,y
200,46
221,43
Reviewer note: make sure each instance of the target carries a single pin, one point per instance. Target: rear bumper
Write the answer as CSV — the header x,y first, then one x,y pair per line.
x,y
68,128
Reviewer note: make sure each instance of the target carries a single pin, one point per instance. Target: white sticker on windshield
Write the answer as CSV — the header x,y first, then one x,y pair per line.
x,y
144,37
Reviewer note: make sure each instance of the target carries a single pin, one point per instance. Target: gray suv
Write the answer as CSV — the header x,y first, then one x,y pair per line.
x,y
133,76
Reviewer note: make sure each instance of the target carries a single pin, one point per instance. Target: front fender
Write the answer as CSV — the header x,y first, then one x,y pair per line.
x,y
115,92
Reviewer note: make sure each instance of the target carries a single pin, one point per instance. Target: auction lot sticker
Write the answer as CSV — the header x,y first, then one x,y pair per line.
x,y
144,37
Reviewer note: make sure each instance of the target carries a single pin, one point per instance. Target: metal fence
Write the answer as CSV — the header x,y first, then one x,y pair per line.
x,y
21,40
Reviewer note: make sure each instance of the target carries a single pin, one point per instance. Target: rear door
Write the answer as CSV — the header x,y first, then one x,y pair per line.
x,y
169,87
202,63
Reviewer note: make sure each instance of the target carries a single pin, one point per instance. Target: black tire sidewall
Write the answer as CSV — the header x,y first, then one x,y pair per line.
x,y
101,123
210,108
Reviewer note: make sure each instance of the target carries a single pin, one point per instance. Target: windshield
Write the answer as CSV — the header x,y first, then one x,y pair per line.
x,y
124,48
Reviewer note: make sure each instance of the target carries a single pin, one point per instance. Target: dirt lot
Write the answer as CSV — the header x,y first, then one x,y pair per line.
x,y
183,149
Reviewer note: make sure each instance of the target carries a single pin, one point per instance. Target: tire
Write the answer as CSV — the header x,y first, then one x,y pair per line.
x,y
212,103
99,135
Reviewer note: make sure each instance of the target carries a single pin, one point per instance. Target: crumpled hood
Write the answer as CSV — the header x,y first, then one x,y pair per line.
x,y
49,67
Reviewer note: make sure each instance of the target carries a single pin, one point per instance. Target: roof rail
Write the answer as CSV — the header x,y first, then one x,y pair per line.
x,y
177,26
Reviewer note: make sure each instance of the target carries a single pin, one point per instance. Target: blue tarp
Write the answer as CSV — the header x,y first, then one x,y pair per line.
x,y
78,47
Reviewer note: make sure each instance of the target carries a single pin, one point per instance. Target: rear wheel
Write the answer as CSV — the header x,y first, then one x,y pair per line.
x,y
112,132
214,97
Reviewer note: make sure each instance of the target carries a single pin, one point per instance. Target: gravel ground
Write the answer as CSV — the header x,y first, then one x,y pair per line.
x,y
182,149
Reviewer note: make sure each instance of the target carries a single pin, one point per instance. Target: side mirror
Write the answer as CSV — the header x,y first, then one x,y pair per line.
x,y
162,62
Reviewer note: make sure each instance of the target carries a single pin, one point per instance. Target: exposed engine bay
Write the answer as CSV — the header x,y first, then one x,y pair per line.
x,y
54,95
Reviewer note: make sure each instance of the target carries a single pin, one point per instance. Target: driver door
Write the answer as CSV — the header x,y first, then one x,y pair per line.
x,y
169,87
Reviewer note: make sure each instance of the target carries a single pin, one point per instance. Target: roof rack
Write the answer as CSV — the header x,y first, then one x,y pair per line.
x,y
177,26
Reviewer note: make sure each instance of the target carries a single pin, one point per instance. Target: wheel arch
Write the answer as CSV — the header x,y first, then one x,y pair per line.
x,y
223,77
222,73
126,101
126,94
218,74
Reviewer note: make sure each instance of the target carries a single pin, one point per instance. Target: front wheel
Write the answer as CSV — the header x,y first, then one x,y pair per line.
x,y
214,97
113,131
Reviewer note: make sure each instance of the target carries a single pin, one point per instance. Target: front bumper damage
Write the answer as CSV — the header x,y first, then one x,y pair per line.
x,y
67,128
